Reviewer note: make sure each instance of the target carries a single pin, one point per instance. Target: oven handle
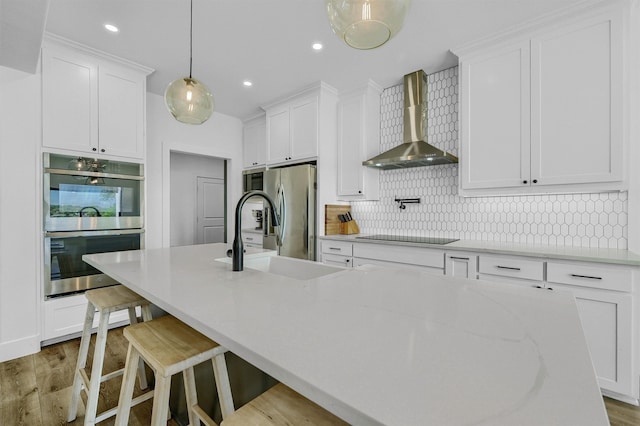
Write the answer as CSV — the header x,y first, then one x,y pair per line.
x,y
91,174
61,234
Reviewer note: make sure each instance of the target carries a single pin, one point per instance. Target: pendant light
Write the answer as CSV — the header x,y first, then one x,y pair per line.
x,y
366,24
187,99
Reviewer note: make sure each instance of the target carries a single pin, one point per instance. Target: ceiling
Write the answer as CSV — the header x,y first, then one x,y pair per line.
x,y
269,41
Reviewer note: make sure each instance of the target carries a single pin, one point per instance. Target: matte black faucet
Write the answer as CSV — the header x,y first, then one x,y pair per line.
x,y
237,250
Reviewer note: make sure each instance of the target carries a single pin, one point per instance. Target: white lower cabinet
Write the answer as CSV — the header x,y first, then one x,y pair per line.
x,y
461,264
426,260
350,254
604,296
607,323
337,253
251,239
64,316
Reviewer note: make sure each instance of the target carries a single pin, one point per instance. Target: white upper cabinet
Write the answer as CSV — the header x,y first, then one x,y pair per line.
x,y
121,112
70,100
542,110
92,104
295,125
278,135
576,103
358,140
292,131
304,128
495,119
255,142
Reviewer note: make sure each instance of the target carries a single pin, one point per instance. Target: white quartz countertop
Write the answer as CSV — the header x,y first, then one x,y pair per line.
x,y
378,345
585,254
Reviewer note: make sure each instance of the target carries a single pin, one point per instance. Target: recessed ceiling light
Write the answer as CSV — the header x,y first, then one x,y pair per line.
x,y
247,83
111,28
317,46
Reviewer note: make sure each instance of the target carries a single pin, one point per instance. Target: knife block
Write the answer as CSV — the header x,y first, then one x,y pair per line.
x,y
332,225
348,228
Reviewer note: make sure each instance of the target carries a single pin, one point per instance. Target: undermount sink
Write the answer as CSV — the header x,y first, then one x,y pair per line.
x,y
287,266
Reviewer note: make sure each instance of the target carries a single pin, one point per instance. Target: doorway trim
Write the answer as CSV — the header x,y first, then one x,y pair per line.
x,y
167,149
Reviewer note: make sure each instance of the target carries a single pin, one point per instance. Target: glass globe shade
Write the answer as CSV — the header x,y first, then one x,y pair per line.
x,y
366,24
189,101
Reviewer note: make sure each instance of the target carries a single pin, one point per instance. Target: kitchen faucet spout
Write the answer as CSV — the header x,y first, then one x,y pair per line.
x,y
237,250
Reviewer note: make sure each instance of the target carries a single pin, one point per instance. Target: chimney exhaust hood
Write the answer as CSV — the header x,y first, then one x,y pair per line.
x,y
415,151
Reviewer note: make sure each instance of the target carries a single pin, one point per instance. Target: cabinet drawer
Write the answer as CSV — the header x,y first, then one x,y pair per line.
x,y
400,254
511,267
594,276
337,260
435,271
64,316
254,239
337,247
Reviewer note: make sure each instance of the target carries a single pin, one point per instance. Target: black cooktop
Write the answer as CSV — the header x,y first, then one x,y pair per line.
x,y
409,239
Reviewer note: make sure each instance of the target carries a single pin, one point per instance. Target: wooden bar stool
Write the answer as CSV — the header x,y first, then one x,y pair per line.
x,y
169,346
281,405
105,301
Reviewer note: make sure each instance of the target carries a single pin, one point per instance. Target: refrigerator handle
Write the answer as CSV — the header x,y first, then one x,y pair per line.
x,y
282,202
266,221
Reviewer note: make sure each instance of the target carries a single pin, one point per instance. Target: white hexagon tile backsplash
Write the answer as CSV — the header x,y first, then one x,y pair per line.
x,y
579,220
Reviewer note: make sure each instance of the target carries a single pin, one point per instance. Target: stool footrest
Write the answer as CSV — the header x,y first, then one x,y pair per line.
x,y
109,376
135,401
202,416
112,375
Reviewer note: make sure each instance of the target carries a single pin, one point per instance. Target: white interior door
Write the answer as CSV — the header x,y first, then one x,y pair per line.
x,y
210,210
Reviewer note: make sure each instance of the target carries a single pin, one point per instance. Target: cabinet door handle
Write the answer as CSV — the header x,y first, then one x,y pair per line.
x,y
459,258
535,181
335,248
102,150
524,181
248,238
94,149
585,276
511,268
347,260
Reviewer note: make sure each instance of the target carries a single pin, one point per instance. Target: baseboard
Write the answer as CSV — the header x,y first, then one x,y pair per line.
x,y
19,348
620,397
78,334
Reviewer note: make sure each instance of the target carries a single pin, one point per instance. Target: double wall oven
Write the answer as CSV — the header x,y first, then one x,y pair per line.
x,y
90,206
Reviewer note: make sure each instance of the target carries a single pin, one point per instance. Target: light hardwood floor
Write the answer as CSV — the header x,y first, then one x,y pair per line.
x,y
35,389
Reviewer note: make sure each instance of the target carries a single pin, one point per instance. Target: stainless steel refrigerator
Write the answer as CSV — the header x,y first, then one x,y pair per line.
x,y
293,190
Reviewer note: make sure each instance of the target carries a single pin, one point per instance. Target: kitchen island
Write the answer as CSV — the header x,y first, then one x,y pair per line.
x,y
378,345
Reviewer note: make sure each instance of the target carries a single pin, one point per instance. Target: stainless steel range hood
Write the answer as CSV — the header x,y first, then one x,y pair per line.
x,y
415,151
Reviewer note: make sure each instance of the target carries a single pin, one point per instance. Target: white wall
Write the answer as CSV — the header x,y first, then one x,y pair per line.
x,y
20,238
220,136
